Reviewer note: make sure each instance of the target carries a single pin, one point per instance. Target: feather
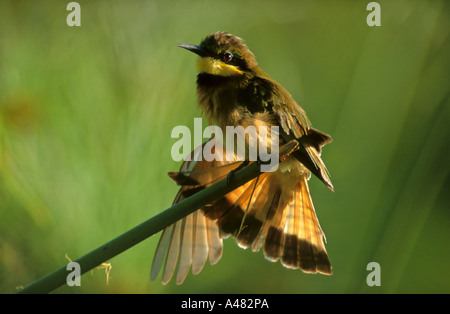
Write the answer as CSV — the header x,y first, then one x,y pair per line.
x,y
200,252
215,242
160,253
172,254
185,262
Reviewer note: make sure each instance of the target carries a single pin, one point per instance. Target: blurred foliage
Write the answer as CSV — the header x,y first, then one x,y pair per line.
x,y
86,115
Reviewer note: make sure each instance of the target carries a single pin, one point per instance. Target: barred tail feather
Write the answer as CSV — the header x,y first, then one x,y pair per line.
x,y
304,246
285,224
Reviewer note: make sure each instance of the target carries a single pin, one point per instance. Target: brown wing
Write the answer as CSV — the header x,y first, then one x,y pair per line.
x,y
270,98
295,125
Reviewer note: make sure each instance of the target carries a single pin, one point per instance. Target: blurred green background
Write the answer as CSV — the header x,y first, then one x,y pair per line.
x,y
86,115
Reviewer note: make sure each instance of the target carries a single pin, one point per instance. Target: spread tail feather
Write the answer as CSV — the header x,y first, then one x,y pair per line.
x,y
274,211
280,217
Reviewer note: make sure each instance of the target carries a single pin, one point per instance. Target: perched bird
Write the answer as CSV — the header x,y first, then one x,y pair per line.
x,y
275,210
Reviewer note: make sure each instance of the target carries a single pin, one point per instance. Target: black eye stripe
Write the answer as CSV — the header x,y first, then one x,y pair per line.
x,y
231,58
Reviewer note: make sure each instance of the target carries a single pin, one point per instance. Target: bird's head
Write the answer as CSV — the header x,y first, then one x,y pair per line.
x,y
223,54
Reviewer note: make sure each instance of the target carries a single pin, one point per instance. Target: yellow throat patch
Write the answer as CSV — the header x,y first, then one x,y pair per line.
x,y
216,67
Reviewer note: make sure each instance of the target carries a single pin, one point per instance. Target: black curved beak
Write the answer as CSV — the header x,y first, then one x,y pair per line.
x,y
194,48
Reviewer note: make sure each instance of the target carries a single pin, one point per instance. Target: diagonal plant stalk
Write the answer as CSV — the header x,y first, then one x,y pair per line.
x,y
57,278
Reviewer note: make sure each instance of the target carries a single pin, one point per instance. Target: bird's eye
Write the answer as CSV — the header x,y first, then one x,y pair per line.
x,y
227,57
